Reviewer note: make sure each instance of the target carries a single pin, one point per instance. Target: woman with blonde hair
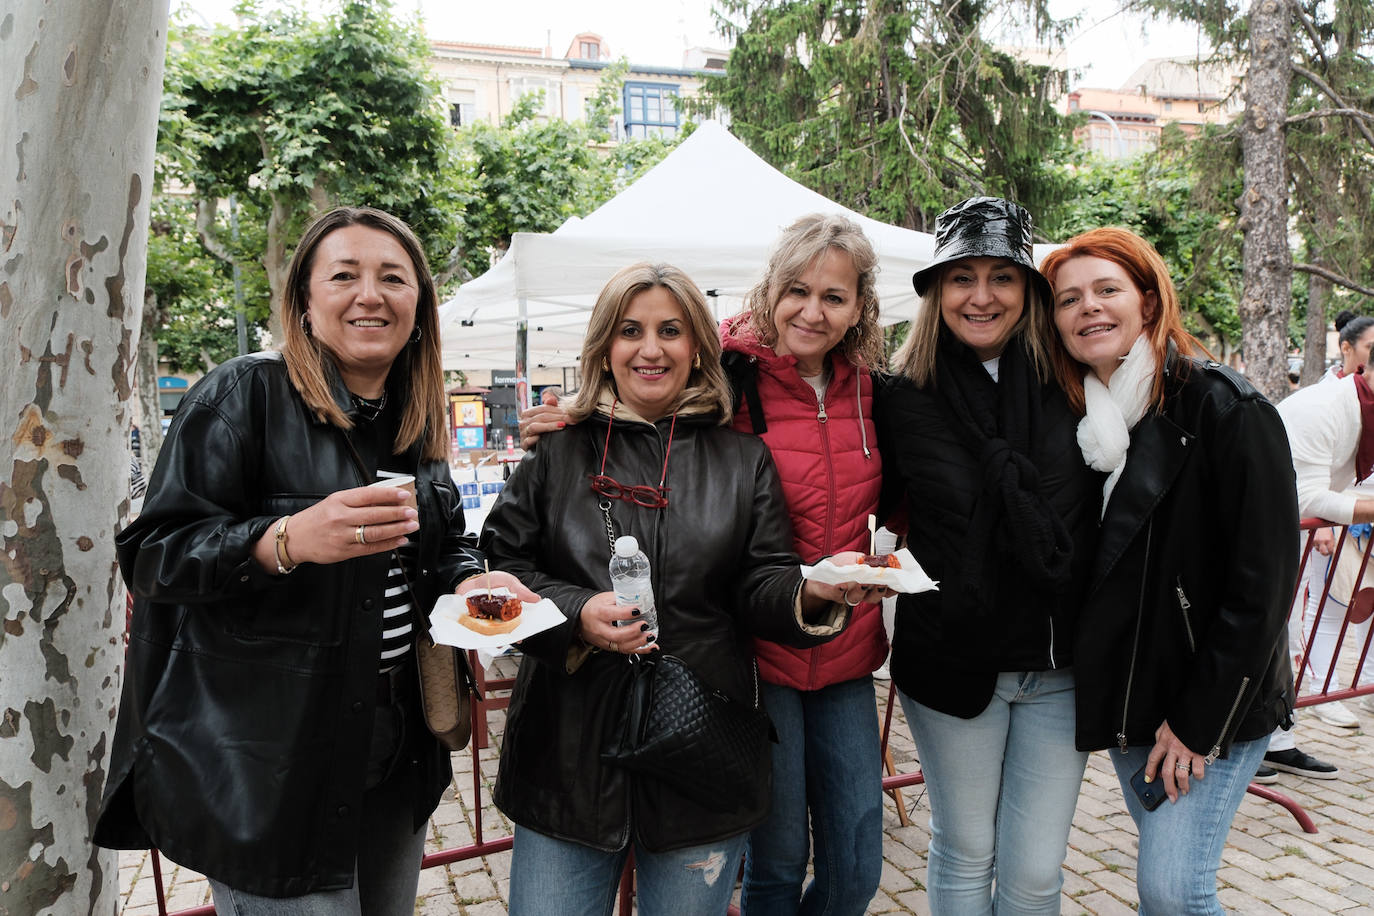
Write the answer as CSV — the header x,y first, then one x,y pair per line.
x,y
799,359
979,447
1181,655
650,457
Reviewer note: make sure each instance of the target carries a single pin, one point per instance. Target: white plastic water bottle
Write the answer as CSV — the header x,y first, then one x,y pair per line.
x,y
630,580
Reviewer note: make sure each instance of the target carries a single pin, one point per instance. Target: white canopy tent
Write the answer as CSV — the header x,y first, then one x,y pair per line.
x,y
711,207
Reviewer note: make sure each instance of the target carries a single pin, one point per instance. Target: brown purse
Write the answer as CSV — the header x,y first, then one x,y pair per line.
x,y
446,691
447,687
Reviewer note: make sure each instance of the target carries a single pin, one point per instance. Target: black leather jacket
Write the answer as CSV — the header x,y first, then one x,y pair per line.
x,y
723,571
248,698
1194,575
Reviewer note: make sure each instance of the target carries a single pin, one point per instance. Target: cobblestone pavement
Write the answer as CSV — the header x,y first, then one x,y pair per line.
x,y
1270,866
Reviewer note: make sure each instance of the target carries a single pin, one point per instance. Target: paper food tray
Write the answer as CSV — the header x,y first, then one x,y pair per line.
x,y
445,628
911,578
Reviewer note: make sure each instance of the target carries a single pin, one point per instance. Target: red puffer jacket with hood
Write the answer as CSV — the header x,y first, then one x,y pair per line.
x,y
827,457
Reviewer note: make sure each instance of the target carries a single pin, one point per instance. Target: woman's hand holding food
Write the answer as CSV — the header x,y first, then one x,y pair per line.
x,y
605,625
496,579
342,526
816,595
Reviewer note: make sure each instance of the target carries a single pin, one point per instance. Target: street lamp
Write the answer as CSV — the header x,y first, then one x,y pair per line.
x,y
1116,132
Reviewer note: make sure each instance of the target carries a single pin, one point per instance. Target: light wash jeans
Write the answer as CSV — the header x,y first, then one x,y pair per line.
x,y
387,872
828,763
550,877
1003,787
1181,842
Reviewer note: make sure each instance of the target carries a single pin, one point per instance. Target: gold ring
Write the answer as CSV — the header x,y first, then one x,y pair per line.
x,y
359,535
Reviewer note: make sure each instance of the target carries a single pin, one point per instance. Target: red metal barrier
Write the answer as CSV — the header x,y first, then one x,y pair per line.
x,y
1329,600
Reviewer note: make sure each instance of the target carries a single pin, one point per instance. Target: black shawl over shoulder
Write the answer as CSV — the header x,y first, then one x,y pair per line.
x,y
1002,512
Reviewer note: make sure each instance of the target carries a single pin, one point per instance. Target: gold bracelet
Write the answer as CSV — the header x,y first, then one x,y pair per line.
x,y
284,564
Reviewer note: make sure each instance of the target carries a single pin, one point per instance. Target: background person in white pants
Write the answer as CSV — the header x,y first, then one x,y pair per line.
x,y
1331,432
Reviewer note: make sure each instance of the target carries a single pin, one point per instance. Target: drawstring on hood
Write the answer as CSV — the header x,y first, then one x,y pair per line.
x,y
859,412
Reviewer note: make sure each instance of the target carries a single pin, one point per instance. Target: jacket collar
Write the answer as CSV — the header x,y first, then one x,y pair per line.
x,y
623,412
1159,448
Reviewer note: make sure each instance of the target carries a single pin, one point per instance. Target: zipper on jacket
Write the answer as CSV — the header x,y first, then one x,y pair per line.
x,y
1226,726
827,541
1135,642
1183,605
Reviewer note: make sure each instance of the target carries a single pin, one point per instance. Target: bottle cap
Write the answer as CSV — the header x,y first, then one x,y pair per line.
x,y
626,546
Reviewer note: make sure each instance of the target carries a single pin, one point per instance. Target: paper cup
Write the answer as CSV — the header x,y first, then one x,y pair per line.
x,y
400,482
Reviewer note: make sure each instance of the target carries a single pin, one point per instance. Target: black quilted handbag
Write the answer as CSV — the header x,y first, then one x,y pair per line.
x,y
703,744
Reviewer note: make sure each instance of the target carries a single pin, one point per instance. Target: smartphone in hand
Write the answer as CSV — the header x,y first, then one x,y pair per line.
x,y
1151,794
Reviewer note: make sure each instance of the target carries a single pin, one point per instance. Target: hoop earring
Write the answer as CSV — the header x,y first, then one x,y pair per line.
x,y
605,364
696,360
417,334
305,324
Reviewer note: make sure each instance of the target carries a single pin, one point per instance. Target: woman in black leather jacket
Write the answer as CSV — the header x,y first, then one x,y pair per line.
x,y
1181,652
269,734
716,531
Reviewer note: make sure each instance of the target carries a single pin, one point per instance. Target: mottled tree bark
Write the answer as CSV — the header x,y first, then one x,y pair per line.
x,y
1267,262
80,85
149,398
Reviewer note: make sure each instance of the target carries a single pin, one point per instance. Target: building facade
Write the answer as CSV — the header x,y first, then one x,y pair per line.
x,y
482,83
1162,91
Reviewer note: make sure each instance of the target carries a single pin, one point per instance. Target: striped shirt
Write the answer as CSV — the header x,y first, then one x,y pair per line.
x,y
397,628
398,631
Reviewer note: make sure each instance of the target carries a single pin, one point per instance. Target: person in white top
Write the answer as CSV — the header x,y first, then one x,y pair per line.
x,y
1324,424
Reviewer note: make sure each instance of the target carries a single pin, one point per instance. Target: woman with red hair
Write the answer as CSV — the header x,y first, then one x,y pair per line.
x,y
1181,654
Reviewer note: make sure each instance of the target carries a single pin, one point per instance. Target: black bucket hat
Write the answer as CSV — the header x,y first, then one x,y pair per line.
x,y
983,227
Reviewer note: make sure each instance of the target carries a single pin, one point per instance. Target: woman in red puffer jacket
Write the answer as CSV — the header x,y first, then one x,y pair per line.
x,y
798,360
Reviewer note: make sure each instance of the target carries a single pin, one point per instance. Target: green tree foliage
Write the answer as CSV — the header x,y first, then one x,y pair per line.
x,y
895,108
294,115
190,288
1331,158
1329,140
1169,195
526,175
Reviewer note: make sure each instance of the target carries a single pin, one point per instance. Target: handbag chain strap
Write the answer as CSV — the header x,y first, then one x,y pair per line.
x,y
605,505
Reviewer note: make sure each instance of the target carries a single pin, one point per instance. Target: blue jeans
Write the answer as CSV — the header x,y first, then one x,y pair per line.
x,y
828,763
387,872
1181,843
1003,787
550,877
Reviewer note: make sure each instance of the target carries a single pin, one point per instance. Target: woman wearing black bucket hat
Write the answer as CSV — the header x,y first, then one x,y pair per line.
x,y
979,444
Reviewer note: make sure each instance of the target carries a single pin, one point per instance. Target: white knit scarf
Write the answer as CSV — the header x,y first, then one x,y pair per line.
x,y
1113,410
